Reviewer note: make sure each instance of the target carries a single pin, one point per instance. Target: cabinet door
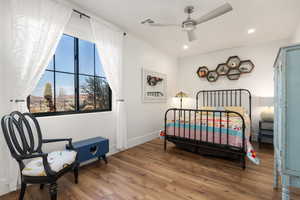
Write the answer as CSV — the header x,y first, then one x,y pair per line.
x,y
291,139
279,108
277,98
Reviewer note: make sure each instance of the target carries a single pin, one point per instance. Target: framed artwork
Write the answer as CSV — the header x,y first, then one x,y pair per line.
x,y
222,69
202,72
233,74
212,76
154,86
246,66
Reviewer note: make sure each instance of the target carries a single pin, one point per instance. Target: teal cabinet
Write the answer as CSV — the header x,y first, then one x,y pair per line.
x,y
287,119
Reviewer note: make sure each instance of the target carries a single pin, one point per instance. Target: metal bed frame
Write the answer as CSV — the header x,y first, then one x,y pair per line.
x,y
229,97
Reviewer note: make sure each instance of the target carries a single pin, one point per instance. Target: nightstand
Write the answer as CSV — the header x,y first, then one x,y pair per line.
x,y
265,131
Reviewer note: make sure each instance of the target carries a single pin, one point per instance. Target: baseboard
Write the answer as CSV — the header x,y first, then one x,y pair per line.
x,y
3,191
4,187
142,139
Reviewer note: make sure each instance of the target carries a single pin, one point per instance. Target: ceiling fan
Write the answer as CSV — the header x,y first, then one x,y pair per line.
x,y
189,25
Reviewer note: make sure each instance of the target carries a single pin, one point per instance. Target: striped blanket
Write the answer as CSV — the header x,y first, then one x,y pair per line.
x,y
203,127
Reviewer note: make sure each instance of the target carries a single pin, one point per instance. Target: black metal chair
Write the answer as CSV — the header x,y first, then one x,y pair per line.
x,y
19,132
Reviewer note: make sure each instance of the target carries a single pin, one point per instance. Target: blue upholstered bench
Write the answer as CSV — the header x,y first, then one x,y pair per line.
x,y
91,148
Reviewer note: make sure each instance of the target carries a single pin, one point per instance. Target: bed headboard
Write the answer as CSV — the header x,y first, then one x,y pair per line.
x,y
229,97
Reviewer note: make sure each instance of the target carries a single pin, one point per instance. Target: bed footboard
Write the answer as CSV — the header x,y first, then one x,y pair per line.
x,y
207,130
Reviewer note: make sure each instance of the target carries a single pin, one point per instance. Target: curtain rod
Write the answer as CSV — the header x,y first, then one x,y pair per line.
x,y
87,16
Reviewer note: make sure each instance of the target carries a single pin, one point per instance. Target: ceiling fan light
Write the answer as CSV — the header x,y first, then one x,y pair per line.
x,y
251,31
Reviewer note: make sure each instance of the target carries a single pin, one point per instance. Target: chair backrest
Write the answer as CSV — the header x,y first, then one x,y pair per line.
x,y
18,130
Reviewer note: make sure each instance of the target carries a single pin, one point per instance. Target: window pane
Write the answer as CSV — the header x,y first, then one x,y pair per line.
x,y
86,95
65,99
102,94
98,65
86,57
51,64
41,99
64,55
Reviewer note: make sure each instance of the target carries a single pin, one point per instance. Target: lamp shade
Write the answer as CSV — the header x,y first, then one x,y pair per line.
x,y
181,95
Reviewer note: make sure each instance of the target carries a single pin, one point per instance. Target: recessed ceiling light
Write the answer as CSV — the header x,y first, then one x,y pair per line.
x,y
251,30
185,47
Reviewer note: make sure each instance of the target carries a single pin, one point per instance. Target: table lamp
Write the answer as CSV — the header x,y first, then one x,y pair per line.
x,y
181,95
267,104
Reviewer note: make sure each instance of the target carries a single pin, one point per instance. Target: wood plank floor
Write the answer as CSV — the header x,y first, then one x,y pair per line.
x,y
146,172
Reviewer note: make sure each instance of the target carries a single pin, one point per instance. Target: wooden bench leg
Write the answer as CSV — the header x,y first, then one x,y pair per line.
x,y
104,158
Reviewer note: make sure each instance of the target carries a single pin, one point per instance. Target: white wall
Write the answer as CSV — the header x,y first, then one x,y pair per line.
x,y
2,112
3,102
296,35
259,81
145,119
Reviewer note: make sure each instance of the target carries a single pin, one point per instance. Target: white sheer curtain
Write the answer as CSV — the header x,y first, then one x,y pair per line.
x,y
109,43
32,32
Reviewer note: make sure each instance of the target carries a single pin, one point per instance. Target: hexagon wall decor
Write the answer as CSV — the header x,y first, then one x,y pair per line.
x,y
234,74
232,69
212,76
246,66
202,72
233,61
222,69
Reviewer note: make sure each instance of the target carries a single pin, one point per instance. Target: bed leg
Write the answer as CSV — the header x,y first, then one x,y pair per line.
x,y
243,162
195,150
165,144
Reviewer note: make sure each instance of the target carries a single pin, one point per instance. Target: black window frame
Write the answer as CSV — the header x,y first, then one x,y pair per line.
x,y
76,75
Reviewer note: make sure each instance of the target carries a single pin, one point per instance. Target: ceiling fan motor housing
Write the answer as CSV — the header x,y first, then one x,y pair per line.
x,y
189,9
189,25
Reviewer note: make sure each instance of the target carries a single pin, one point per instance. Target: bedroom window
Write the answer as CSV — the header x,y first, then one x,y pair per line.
x,y
73,82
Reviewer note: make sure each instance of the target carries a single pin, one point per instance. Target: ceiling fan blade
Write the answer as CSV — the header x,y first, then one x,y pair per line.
x,y
191,36
215,13
163,25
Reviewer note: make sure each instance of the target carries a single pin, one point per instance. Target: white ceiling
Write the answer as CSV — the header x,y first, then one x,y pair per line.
x,y
273,20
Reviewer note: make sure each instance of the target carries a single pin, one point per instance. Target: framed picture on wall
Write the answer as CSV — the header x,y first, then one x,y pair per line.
x,y
154,86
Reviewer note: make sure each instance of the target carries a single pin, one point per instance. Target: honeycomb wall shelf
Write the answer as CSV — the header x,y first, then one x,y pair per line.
x,y
232,69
